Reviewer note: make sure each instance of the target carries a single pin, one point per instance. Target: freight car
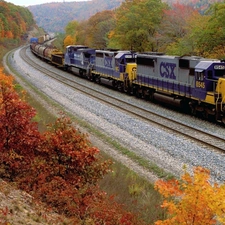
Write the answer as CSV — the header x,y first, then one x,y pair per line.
x,y
45,52
193,83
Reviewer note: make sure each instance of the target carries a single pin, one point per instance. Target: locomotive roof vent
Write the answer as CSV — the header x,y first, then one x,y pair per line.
x,y
153,53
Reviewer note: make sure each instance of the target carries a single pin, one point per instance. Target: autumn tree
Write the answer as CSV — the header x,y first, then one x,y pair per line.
x,y
174,27
71,33
98,28
66,170
9,13
93,32
191,43
58,167
213,36
19,136
193,200
69,40
136,24
82,31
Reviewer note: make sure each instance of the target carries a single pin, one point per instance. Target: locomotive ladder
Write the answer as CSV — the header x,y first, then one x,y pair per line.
x,y
219,105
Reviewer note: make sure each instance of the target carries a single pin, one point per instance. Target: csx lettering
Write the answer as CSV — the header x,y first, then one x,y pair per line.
x,y
167,70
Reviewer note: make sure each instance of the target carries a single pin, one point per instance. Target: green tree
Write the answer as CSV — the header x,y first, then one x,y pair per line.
x,y
214,34
98,28
192,42
136,24
71,28
174,27
207,41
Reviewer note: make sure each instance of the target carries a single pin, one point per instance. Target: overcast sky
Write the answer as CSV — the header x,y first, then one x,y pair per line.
x,y
37,2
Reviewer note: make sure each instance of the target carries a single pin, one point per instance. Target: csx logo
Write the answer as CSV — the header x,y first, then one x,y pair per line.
x,y
167,70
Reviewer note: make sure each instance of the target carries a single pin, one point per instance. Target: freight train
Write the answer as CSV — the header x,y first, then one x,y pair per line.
x,y
193,83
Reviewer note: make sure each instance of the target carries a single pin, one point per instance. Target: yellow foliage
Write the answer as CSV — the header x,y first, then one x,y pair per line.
x,y
111,34
6,81
193,200
69,40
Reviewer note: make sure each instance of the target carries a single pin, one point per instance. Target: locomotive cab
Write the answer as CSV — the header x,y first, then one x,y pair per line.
x,y
78,59
209,88
70,51
207,74
111,68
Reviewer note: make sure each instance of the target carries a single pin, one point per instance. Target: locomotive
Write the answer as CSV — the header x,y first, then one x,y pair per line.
x,y
193,83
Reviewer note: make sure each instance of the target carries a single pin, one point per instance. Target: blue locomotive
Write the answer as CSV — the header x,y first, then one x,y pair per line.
x,y
78,59
193,83
116,68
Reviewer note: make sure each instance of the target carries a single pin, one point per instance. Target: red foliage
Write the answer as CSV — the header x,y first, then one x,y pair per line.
x,y
59,167
19,136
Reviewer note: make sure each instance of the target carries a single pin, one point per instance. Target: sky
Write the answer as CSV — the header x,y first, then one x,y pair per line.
x,y
37,2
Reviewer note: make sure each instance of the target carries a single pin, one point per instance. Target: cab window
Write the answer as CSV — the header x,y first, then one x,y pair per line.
x,y
210,74
200,76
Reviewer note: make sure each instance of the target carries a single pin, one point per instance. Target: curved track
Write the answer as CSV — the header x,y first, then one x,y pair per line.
x,y
206,140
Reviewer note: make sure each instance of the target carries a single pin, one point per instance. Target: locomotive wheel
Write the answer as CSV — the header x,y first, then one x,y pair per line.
x,y
121,87
81,73
138,93
98,80
205,114
115,85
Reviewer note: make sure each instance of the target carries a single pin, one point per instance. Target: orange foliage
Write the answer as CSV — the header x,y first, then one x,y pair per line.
x,y
14,20
9,34
69,40
193,200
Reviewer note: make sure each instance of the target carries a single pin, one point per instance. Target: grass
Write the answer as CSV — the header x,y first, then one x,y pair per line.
x,y
136,193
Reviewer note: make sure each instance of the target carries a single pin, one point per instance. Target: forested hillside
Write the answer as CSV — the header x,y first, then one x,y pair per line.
x,y
151,25
53,17
200,5
14,24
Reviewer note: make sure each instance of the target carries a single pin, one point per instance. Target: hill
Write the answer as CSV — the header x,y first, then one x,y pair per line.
x,y
53,17
15,21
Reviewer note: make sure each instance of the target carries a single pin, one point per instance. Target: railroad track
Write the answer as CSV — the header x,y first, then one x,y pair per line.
x,y
202,138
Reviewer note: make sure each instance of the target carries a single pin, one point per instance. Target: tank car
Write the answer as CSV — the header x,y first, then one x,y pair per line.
x,y
115,68
193,83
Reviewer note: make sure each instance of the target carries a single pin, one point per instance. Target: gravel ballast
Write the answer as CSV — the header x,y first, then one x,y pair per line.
x,y
153,144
